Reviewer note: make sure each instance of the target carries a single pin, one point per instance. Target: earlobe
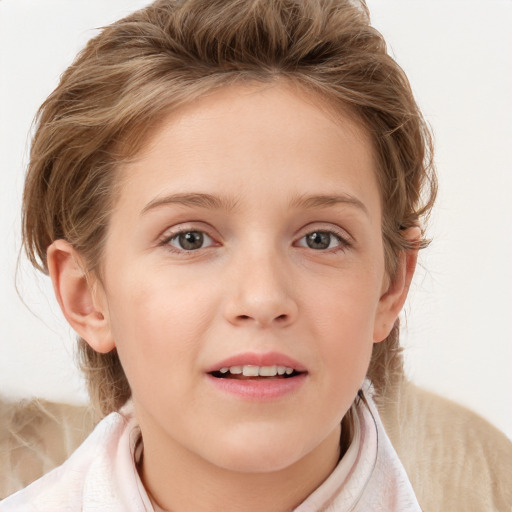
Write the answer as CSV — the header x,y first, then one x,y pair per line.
x,y
82,302
393,298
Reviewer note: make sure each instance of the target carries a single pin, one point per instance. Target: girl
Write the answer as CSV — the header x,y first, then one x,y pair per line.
x,y
228,197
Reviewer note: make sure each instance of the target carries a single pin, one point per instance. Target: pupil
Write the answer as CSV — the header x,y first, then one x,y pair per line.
x,y
318,240
191,240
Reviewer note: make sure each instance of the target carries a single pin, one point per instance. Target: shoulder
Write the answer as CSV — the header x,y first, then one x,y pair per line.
x,y
37,436
89,469
455,459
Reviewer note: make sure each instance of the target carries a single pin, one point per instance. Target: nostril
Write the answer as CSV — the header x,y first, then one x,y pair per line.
x,y
264,319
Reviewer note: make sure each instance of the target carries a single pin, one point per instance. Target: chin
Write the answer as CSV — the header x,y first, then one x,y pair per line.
x,y
259,453
258,462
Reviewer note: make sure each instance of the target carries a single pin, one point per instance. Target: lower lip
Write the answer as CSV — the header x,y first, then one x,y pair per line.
x,y
263,390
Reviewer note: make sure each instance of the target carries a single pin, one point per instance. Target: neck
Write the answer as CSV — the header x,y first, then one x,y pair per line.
x,y
180,481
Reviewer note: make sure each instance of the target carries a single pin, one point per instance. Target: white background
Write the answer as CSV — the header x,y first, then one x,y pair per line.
x,y
458,56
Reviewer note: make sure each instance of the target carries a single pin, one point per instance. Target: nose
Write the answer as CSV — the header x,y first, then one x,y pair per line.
x,y
261,293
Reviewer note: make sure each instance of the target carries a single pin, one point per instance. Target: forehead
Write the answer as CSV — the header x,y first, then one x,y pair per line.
x,y
254,133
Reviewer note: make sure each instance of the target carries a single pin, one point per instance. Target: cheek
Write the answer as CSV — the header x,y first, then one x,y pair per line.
x,y
346,303
344,315
156,304
157,322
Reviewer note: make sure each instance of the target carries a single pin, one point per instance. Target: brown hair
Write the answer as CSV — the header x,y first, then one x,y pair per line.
x,y
140,68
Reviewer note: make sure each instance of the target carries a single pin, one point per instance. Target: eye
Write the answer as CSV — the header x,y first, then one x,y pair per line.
x,y
322,240
190,240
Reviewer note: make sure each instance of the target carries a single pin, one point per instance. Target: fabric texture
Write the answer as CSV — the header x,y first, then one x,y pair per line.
x,y
36,436
102,476
455,459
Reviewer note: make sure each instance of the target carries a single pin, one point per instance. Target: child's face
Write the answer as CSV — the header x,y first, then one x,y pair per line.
x,y
248,233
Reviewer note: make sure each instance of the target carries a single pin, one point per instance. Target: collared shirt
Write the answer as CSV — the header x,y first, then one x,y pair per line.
x,y
101,475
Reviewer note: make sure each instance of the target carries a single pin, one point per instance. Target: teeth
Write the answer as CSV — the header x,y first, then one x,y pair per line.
x,y
268,371
250,370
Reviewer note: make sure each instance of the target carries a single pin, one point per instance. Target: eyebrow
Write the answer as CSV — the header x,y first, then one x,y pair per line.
x,y
323,201
201,200
212,202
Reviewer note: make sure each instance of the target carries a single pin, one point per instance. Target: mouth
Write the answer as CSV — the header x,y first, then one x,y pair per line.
x,y
253,372
260,377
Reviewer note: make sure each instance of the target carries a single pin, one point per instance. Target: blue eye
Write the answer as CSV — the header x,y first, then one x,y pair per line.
x,y
190,240
321,240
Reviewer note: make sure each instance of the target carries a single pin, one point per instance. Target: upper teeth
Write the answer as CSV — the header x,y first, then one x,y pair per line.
x,y
249,370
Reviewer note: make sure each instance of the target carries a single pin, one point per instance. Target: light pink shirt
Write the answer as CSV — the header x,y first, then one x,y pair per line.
x,y
101,475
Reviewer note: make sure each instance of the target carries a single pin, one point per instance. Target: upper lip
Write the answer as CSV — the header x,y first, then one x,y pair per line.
x,y
257,359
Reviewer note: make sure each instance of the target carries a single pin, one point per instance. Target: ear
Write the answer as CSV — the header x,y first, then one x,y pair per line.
x,y
80,296
397,288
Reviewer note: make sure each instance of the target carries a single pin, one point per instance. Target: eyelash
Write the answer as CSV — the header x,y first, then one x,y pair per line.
x,y
166,241
343,242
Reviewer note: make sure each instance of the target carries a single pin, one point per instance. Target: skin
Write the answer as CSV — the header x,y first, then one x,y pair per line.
x,y
255,285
